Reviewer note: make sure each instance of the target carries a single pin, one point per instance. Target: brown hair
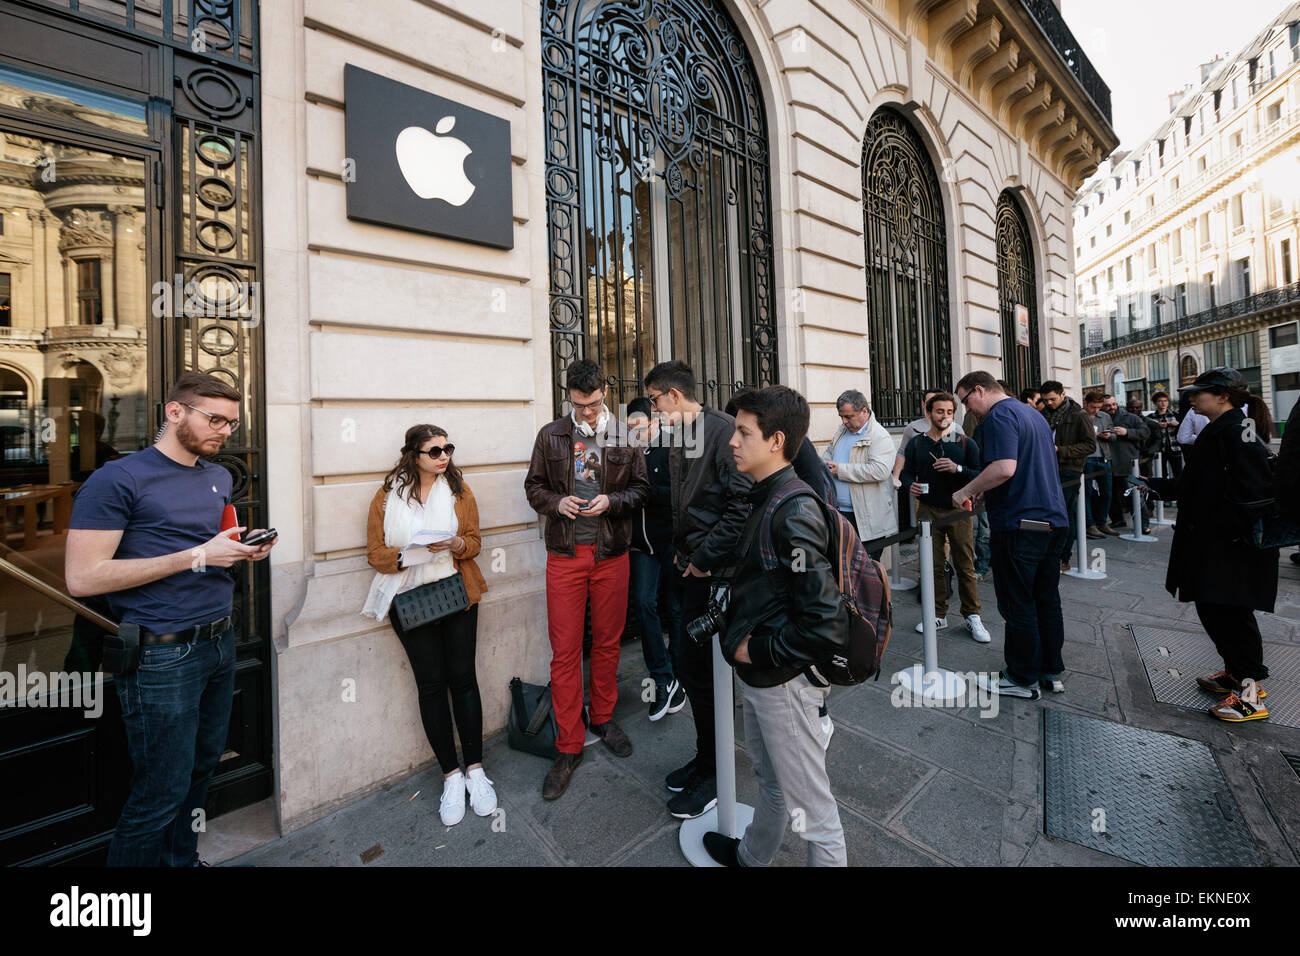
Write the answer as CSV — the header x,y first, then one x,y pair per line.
x,y
405,475
940,397
192,385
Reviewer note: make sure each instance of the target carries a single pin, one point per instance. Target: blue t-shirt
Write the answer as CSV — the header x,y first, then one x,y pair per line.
x,y
161,507
1014,430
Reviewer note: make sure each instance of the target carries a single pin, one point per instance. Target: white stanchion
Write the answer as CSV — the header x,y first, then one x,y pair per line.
x,y
897,580
1081,569
1160,505
728,817
1136,534
929,681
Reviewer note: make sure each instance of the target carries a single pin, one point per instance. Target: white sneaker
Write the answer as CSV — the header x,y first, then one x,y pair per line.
x,y
452,806
481,795
977,629
939,624
828,727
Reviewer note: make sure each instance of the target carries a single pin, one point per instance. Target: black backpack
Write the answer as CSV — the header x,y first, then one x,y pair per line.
x,y
864,590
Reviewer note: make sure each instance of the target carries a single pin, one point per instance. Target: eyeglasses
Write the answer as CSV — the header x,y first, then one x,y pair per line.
x,y
963,398
437,451
596,404
654,399
217,422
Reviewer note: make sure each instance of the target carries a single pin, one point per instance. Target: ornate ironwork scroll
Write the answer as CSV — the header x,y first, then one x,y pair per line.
x,y
907,269
658,211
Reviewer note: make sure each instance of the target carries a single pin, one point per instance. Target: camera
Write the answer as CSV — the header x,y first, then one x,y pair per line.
x,y
711,622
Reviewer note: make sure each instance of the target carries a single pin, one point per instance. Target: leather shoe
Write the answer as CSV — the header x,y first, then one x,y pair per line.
x,y
613,737
722,849
1107,529
557,778
1093,532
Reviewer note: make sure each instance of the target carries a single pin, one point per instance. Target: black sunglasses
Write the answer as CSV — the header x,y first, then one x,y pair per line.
x,y
436,451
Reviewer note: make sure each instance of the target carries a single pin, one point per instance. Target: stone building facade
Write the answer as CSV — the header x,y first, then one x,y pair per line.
x,y
1186,244
974,133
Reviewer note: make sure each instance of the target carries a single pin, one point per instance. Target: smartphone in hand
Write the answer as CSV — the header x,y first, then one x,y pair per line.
x,y
258,538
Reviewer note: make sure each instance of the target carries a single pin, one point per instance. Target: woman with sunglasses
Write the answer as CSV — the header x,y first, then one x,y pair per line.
x,y
426,492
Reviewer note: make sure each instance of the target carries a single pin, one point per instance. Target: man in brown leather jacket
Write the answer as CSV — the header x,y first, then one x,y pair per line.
x,y
587,482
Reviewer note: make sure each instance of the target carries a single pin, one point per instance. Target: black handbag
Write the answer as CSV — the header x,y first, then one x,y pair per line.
x,y
431,602
532,726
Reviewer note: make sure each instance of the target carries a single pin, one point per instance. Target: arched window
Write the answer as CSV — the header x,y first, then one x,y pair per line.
x,y
658,213
1187,370
907,269
1017,297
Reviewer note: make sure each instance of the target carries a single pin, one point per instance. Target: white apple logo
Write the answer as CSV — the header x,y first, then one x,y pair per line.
x,y
434,165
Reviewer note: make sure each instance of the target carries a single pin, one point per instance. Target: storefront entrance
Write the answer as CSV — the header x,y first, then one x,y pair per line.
x,y
129,253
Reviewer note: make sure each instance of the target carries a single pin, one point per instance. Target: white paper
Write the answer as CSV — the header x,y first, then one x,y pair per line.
x,y
416,552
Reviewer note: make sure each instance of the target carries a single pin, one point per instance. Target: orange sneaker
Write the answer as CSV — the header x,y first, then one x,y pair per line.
x,y
1223,683
1245,707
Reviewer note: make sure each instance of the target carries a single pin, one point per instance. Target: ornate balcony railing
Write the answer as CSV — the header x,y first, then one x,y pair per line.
x,y
1249,305
1067,47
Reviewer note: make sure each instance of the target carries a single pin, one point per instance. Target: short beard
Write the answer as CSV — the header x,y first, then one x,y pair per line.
x,y
189,441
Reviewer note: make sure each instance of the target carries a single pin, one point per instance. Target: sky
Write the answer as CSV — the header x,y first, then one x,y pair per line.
x,y
1146,49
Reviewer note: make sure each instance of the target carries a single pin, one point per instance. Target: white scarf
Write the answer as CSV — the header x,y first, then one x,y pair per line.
x,y
401,522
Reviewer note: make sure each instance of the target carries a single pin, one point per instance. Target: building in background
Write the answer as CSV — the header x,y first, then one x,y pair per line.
x,y
1186,244
833,195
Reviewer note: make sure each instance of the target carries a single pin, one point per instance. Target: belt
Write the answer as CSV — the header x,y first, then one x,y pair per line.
x,y
199,632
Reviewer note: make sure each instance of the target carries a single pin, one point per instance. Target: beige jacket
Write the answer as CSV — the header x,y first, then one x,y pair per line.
x,y
870,474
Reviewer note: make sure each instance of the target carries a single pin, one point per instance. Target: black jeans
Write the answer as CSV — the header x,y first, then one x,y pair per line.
x,y
693,666
442,658
1236,637
1070,483
1026,572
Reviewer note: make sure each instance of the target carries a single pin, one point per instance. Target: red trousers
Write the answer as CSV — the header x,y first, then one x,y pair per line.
x,y
569,581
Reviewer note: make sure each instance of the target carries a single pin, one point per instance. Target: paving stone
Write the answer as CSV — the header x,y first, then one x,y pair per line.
x,y
957,820
870,777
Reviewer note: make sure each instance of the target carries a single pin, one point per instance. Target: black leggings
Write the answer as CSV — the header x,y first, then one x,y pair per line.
x,y
442,659
1236,637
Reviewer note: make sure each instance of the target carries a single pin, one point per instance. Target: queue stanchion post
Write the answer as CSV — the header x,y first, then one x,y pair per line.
x,y
1160,505
1081,569
929,681
898,581
1134,493
727,817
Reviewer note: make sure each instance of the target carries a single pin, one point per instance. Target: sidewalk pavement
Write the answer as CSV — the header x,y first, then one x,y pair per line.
x,y
916,786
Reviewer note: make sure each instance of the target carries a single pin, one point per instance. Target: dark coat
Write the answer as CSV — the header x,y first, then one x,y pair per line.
x,y
1286,476
1206,562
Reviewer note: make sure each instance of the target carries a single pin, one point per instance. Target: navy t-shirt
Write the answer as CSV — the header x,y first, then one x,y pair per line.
x,y
161,507
1015,430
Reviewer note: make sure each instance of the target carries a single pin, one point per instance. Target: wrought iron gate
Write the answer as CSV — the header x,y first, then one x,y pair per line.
x,y
658,211
1016,287
907,269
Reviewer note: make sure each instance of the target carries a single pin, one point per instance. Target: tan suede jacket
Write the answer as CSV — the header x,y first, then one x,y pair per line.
x,y
384,559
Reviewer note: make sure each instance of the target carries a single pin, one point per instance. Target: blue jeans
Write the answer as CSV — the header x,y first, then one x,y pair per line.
x,y
647,571
176,708
1098,492
982,556
1026,574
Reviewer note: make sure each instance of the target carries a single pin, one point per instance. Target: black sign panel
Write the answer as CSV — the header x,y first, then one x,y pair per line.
x,y
426,163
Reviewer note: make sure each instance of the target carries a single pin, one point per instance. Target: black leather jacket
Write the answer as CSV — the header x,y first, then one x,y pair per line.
x,y
794,615
708,493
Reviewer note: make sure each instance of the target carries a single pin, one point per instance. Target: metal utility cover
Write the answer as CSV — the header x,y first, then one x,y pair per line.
x,y
1174,659
1152,798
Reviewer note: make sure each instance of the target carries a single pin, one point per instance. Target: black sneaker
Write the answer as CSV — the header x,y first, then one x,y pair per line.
x,y
722,849
700,796
678,698
659,703
679,778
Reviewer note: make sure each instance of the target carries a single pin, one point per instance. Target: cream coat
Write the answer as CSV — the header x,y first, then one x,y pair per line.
x,y
869,473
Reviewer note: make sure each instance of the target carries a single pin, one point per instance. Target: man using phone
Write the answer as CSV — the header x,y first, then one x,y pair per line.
x,y
588,481
146,533
1028,526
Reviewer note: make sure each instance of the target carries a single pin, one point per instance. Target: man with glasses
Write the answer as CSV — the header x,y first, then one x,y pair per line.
x,y
588,482
863,461
1028,522
146,533
709,512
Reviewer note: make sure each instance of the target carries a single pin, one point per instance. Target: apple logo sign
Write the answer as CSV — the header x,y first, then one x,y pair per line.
x,y
434,163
